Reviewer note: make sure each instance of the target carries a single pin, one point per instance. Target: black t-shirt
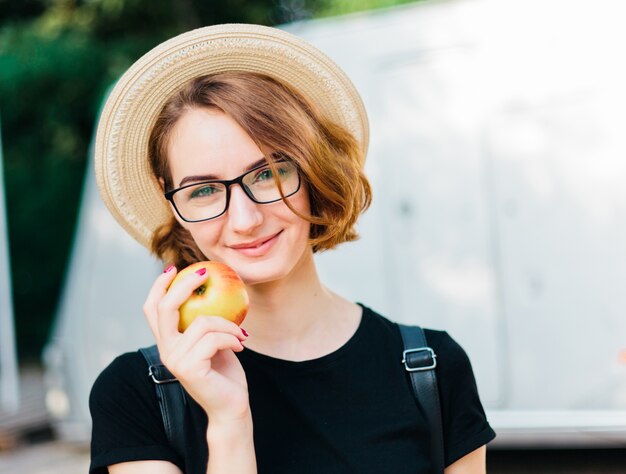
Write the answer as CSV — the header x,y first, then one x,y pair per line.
x,y
351,411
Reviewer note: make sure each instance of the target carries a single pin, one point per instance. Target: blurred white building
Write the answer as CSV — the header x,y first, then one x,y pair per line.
x,y
499,213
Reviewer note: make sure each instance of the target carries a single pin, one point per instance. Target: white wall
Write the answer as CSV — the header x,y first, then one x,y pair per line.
x,y
497,159
499,213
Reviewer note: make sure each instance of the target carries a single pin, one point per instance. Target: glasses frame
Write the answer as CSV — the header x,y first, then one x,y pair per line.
x,y
169,195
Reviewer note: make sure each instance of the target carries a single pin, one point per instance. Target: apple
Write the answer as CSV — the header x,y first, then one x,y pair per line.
x,y
223,294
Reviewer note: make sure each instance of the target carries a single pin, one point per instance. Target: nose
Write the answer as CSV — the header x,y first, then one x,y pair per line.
x,y
244,215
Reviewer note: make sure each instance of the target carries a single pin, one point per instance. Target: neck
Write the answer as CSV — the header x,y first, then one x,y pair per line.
x,y
288,318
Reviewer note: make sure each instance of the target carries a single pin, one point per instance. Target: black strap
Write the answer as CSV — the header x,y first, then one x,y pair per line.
x,y
418,359
420,362
171,398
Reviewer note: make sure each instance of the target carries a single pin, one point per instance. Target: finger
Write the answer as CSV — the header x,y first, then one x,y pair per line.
x,y
199,328
185,362
175,296
214,342
156,293
202,325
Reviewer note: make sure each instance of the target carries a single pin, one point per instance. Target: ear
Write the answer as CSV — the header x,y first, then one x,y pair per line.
x,y
162,183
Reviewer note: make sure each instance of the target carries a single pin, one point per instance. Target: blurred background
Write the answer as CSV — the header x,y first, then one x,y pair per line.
x,y
498,164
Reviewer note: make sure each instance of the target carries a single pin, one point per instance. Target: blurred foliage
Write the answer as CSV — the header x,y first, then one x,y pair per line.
x,y
11,10
57,57
326,8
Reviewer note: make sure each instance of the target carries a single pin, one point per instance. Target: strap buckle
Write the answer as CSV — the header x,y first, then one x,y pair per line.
x,y
418,363
160,374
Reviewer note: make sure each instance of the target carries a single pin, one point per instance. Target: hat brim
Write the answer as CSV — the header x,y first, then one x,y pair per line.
x,y
122,170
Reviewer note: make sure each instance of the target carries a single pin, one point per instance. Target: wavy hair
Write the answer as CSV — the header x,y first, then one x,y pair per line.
x,y
280,121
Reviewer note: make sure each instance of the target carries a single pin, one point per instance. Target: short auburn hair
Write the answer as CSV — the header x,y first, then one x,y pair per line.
x,y
281,122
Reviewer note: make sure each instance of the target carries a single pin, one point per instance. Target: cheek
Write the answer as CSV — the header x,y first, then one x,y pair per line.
x,y
205,235
304,226
301,201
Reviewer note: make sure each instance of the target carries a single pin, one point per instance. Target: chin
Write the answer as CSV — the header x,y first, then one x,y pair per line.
x,y
270,270
257,273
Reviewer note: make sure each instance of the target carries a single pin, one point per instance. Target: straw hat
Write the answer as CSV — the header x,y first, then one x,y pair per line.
x,y
123,174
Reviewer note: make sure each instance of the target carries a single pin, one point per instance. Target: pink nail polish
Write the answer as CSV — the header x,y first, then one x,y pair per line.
x,y
244,332
201,272
168,269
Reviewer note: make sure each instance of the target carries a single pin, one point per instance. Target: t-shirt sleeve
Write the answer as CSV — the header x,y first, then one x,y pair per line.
x,y
126,420
465,425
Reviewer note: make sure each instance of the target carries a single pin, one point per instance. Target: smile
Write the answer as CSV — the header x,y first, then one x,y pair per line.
x,y
257,247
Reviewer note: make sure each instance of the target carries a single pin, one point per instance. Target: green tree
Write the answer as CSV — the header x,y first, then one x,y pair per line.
x,y
57,57
56,60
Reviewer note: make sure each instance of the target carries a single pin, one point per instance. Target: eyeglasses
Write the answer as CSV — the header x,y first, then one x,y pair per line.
x,y
209,199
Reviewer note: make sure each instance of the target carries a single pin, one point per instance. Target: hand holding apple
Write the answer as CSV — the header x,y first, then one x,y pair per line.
x,y
223,294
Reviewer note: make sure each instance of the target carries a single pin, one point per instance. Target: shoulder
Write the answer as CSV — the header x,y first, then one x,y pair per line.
x,y
450,355
465,425
126,375
464,420
123,368
374,321
126,418
440,341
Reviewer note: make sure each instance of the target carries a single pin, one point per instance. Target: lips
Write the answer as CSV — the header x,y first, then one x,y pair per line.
x,y
257,247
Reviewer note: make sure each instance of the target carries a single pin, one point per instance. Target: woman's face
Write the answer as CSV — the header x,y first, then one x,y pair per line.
x,y
262,242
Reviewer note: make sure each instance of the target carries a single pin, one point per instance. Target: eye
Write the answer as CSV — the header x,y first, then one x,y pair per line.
x,y
284,169
204,190
263,175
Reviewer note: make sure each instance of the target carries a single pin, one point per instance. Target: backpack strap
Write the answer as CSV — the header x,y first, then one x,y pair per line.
x,y
420,361
171,398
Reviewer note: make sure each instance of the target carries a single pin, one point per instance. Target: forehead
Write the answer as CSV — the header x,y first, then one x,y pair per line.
x,y
209,141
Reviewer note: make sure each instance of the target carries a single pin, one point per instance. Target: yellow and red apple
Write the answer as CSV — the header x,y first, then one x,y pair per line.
x,y
223,294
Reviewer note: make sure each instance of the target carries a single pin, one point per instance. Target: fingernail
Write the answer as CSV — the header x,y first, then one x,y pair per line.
x,y
168,269
201,272
244,332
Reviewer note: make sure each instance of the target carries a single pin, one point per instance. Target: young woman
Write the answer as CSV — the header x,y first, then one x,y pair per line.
x,y
243,144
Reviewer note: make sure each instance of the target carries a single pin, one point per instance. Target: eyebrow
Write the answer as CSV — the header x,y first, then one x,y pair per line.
x,y
211,177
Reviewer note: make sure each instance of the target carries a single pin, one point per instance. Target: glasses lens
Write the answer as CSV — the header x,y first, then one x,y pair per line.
x,y
200,202
262,183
